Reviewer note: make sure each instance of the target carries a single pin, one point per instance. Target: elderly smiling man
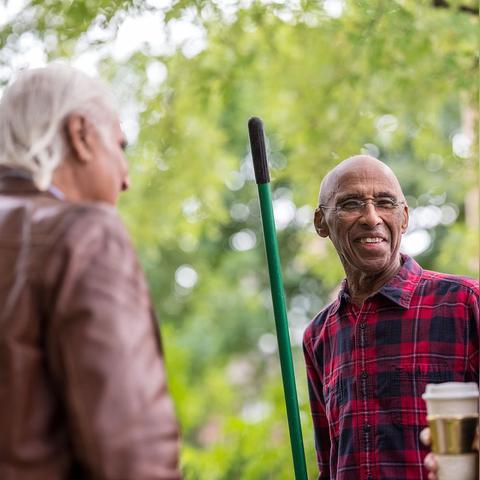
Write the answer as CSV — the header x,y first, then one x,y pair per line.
x,y
82,382
393,328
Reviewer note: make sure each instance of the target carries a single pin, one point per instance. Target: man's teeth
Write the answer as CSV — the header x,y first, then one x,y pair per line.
x,y
371,240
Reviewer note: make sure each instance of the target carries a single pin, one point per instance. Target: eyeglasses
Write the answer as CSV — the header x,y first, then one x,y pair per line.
x,y
354,206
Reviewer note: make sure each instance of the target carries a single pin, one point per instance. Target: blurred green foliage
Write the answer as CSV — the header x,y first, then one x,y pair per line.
x,y
392,78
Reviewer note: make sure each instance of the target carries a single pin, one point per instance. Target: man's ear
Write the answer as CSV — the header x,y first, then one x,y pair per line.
x,y
79,137
320,224
405,218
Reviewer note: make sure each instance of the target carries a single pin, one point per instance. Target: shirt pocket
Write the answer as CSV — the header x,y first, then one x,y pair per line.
x,y
408,383
335,399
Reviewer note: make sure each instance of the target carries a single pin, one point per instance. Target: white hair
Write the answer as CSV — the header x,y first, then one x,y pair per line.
x,y
33,111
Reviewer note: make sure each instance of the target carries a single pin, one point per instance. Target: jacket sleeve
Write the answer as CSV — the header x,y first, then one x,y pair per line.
x,y
109,362
317,407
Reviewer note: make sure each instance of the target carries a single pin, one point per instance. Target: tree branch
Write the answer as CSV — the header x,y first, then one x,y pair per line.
x,y
462,8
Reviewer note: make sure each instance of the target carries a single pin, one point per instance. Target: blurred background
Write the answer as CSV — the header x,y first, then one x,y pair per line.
x,y
397,79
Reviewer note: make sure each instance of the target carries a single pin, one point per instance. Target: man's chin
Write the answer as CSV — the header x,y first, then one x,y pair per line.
x,y
374,266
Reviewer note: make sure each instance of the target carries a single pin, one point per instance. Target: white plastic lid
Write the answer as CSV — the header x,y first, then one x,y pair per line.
x,y
450,391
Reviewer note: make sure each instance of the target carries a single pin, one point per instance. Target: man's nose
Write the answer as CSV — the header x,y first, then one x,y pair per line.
x,y
125,176
125,183
370,215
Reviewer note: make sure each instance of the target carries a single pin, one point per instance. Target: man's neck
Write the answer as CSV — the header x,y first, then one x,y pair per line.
x,y
362,285
64,180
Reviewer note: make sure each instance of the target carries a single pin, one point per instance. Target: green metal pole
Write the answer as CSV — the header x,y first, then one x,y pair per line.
x,y
278,296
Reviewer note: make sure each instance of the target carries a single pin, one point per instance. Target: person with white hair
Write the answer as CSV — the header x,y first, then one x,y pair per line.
x,y
83,390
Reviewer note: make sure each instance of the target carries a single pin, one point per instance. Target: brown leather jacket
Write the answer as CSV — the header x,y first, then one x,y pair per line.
x,y
82,382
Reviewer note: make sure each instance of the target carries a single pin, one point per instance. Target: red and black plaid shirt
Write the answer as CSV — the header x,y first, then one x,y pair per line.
x,y
368,367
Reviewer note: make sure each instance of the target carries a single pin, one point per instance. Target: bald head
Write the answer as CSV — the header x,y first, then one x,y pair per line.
x,y
364,166
363,212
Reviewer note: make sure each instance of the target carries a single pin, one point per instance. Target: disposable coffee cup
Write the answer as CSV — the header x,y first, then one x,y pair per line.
x,y
452,415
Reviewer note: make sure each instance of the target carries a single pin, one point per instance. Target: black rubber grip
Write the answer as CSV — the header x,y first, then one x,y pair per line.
x,y
259,153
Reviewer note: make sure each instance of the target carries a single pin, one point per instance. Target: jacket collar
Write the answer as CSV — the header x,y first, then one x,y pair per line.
x,y
399,289
17,181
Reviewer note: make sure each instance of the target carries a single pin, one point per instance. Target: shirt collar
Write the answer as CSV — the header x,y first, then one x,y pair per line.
x,y
402,286
399,289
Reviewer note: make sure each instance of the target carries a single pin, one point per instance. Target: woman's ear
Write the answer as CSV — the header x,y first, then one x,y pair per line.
x,y
79,137
320,224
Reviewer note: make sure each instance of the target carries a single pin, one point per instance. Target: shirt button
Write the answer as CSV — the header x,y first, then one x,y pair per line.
x,y
364,374
369,477
363,325
366,428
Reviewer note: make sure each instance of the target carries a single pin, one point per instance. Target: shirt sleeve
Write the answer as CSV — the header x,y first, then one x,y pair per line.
x,y
108,359
317,406
474,328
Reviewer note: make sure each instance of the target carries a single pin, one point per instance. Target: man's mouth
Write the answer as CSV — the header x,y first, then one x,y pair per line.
x,y
371,240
